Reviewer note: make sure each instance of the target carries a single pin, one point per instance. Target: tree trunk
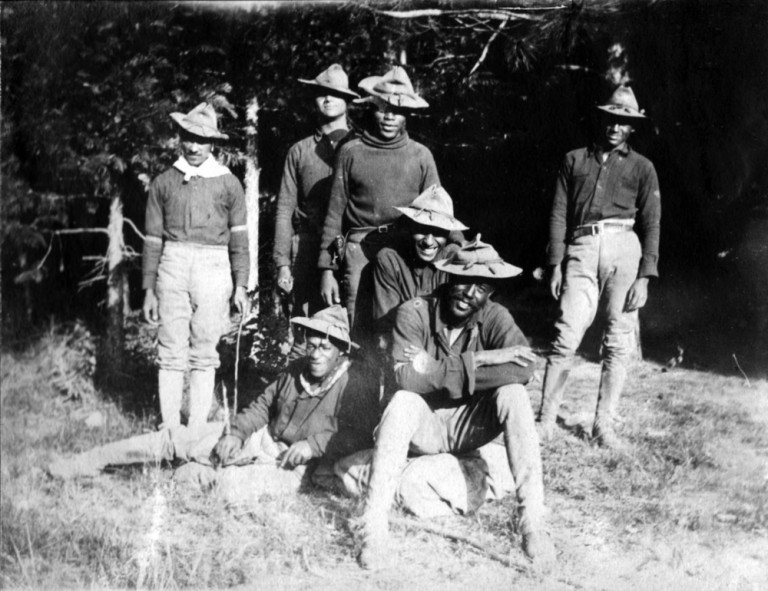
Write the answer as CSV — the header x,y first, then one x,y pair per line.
x,y
115,338
252,197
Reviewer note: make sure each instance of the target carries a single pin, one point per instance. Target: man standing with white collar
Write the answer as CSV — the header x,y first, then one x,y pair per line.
x,y
305,189
196,247
597,262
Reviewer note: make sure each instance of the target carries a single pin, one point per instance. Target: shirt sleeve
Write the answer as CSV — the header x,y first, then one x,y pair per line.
x,y
430,176
287,200
256,415
386,291
337,204
649,221
239,255
558,216
448,376
153,241
502,332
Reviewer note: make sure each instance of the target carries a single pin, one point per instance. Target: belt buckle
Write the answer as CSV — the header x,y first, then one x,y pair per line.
x,y
594,230
382,229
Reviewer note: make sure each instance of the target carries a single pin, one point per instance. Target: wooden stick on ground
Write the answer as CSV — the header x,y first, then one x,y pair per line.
x,y
452,535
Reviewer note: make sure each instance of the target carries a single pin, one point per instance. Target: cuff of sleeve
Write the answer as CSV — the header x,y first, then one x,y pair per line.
x,y
555,255
315,447
324,262
648,267
235,432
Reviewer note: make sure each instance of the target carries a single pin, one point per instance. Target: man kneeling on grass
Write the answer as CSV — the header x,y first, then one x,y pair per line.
x,y
320,407
461,362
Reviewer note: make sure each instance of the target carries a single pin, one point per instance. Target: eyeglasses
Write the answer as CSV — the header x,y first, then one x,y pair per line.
x,y
324,347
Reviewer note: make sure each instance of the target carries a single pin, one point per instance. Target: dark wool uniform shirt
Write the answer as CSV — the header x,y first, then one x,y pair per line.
x,y
371,178
451,375
588,190
304,190
335,423
208,211
398,276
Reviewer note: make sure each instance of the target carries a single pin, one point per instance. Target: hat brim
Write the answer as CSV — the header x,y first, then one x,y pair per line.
x,y
619,111
500,270
324,328
345,92
434,219
399,100
202,131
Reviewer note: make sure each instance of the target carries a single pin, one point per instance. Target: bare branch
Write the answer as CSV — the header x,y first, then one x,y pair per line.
x,y
132,225
497,13
484,53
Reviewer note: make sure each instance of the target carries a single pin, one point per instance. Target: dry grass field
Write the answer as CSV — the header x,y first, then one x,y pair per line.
x,y
685,506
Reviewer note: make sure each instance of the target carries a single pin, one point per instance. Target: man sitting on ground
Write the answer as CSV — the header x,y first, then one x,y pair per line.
x,y
461,362
319,407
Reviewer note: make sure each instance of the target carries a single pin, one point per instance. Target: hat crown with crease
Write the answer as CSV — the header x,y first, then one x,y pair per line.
x,y
433,207
200,121
623,104
332,322
333,78
477,259
394,88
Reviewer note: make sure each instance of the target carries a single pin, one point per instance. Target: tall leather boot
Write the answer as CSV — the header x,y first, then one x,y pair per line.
x,y
170,387
201,383
612,379
552,391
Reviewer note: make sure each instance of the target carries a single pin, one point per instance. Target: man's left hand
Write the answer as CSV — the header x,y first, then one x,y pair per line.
x,y
638,295
241,301
296,455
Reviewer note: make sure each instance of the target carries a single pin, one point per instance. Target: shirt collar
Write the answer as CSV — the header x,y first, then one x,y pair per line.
x,y
596,149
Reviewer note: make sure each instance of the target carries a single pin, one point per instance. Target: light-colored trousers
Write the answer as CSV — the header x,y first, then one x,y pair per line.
x,y
599,270
254,472
194,284
409,425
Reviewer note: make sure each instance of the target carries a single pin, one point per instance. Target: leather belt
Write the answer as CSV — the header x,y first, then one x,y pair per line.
x,y
369,229
603,227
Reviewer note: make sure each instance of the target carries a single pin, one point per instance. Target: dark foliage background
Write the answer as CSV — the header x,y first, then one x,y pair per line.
x,y
87,89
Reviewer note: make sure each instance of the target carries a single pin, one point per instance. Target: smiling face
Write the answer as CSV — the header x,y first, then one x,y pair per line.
x,y
389,122
322,356
616,131
330,106
195,149
466,295
428,241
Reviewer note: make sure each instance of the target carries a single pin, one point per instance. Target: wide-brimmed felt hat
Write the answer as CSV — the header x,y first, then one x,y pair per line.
x,y
394,88
433,207
200,121
331,322
623,104
477,259
333,78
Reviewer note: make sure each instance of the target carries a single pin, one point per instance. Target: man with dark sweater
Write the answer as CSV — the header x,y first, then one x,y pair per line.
x,y
374,174
461,364
305,189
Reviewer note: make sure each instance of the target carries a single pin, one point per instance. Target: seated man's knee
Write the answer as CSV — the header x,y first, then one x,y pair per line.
x,y
510,399
404,401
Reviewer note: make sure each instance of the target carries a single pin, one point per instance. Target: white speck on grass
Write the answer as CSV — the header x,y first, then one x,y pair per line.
x,y
148,552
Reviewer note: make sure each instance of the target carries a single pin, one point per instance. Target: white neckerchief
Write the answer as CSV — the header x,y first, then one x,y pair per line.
x,y
314,390
208,169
